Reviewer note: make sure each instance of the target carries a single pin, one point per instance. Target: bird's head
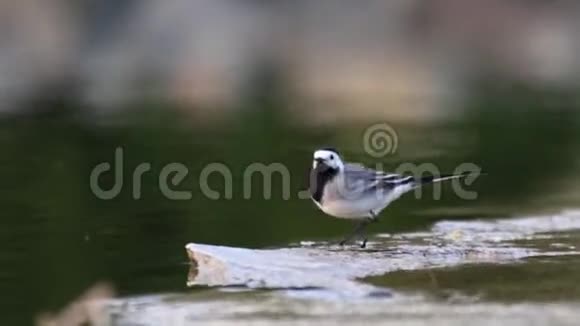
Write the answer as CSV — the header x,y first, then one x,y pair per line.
x,y
327,158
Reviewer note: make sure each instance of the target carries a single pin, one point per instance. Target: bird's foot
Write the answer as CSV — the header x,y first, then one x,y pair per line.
x,y
363,243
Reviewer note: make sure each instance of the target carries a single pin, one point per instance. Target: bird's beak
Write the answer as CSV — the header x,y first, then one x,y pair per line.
x,y
317,162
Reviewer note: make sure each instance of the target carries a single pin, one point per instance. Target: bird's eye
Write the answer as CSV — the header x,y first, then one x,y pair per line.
x,y
332,157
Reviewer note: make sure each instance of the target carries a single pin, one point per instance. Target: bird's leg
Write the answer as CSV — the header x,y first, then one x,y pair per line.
x,y
372,219
357,230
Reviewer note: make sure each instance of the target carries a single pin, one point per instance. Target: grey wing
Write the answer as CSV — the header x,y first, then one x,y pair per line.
x,y
363,179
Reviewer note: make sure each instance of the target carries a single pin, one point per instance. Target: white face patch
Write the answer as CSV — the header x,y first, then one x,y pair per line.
x,y
329,158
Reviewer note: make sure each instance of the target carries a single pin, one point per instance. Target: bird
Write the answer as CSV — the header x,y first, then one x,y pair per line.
x,y
353,191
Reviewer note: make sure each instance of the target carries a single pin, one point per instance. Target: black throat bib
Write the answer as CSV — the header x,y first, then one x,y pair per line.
x,y
319,177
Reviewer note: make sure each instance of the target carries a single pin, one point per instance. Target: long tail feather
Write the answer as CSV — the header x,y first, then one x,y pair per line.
x,y
433,179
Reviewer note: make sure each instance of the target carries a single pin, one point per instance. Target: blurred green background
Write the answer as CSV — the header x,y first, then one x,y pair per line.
x,y
86,78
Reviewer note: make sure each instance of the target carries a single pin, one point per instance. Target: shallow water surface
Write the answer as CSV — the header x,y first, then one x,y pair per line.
x,y
521,271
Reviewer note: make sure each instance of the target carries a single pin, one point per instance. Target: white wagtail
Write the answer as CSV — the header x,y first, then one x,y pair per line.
x,y
351,191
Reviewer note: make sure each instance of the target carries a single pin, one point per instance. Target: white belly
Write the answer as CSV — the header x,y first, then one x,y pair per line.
x,y
351,210
359,208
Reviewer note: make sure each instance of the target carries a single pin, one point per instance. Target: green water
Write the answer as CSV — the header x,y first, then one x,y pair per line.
x,y
58,239
535,279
